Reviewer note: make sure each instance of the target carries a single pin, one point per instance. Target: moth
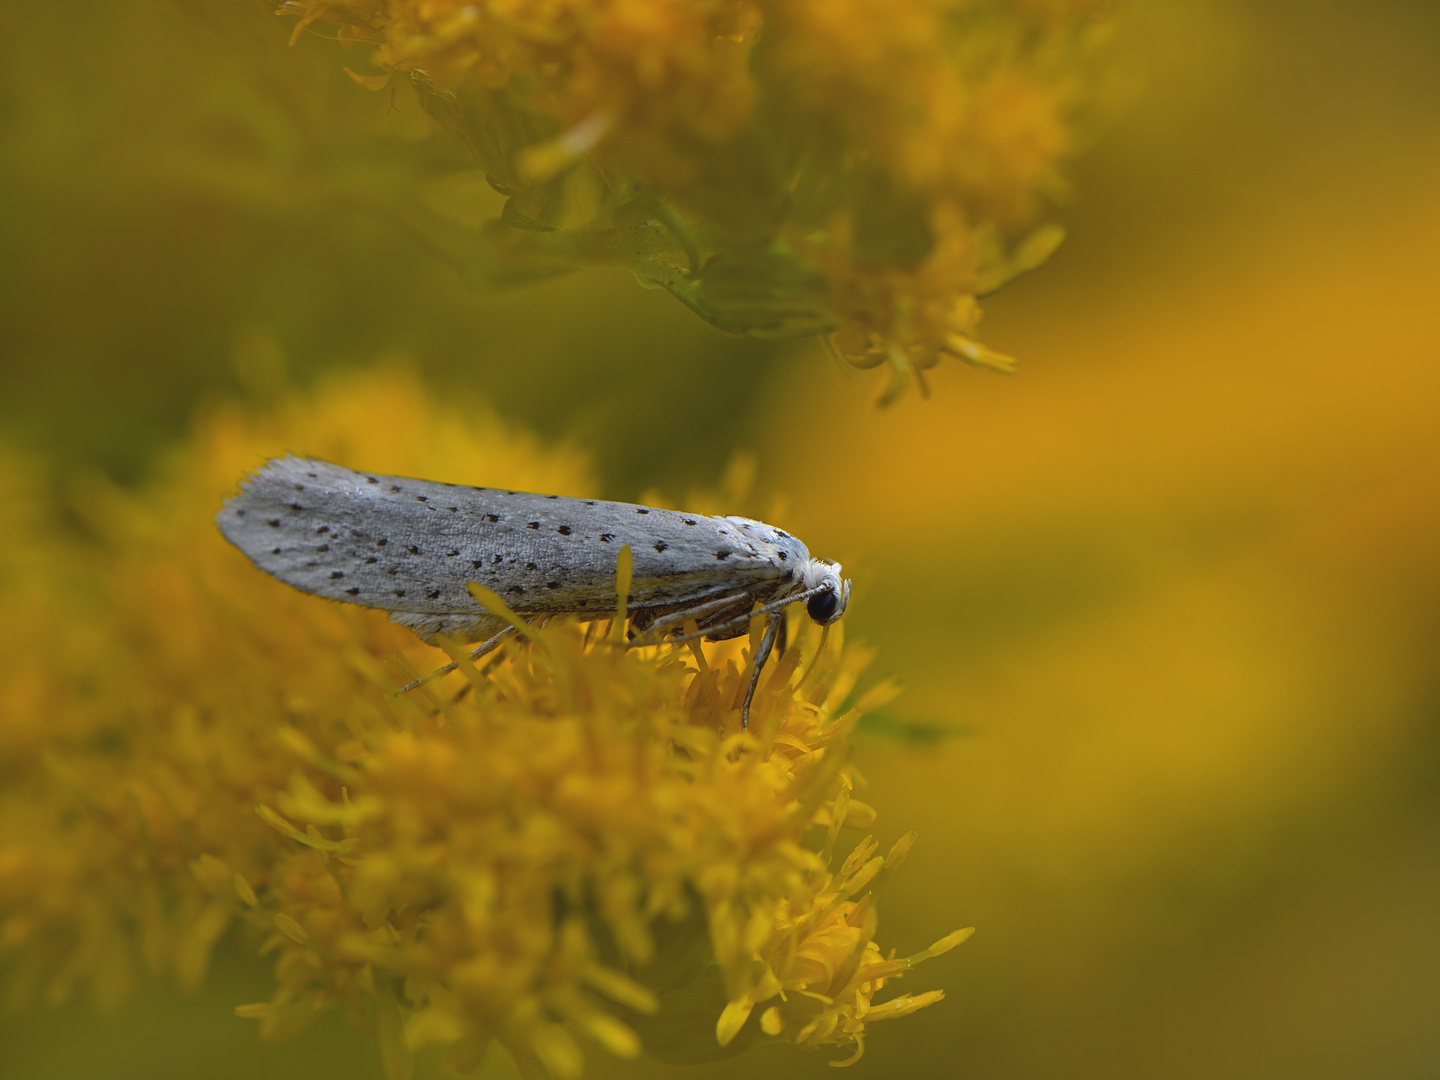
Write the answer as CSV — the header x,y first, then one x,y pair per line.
x,y
410,547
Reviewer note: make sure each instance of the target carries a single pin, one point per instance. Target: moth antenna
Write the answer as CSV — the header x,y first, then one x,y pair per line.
x,y
664,621
741,620
768,609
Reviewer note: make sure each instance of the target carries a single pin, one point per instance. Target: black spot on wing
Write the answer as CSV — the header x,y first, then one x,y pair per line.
x,y
353,592
492,517
563,530
641,510
381,542
660,545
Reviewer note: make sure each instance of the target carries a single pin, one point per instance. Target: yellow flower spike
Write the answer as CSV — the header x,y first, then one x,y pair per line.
x,y
864,176
944,945
556,1050
303,748
857,858
879,695
578,846
903,1005
390,1027
732,1019
246,893
293,930
862,815
974,353
195,946
314,840
616,1037
771,1022
896,855
215,874
501,610
620,989
839,811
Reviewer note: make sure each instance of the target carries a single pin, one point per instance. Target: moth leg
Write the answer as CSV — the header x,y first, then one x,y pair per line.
x,y
782,639
699,611
767,643
487,646
712,633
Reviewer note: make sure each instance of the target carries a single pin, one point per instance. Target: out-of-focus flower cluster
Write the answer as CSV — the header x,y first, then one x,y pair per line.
x,y
854,168
576,844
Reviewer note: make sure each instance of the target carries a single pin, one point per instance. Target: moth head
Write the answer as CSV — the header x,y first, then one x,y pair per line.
x,y
829,604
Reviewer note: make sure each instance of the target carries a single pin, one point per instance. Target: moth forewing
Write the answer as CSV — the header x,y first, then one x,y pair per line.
x,y
410,547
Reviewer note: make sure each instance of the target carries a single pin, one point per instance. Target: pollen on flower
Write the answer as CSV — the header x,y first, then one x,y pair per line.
x,y
526,854
858,169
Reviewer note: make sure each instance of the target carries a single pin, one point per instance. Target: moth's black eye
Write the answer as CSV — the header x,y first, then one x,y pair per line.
x,y
822,606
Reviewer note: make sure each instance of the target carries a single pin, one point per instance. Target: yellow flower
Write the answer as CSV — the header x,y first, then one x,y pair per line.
x,y
565,848
854,168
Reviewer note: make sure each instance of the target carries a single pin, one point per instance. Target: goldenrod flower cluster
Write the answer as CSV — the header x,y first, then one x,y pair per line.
x,y
576,845
862,169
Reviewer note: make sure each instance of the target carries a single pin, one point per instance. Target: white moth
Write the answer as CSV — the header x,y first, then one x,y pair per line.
x,y
410,547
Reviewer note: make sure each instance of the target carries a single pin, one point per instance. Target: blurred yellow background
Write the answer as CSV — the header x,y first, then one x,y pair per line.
x,y
1173,591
